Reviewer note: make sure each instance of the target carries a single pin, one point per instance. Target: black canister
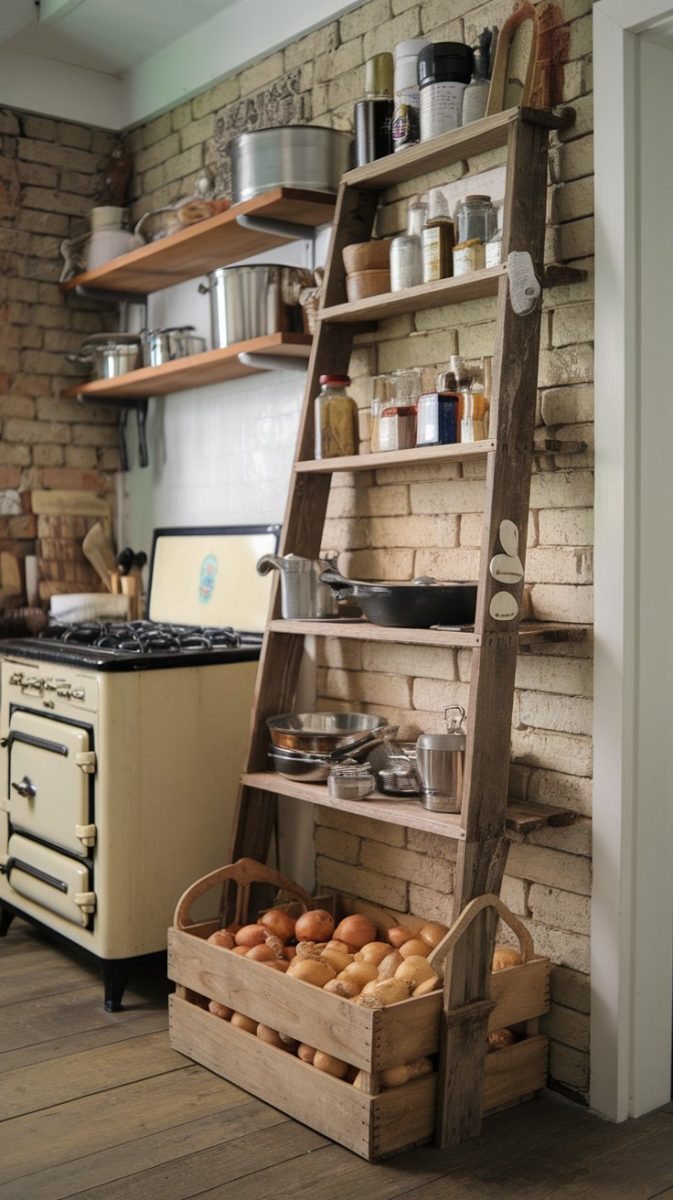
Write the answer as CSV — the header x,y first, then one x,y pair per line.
x,y
373,122
444,71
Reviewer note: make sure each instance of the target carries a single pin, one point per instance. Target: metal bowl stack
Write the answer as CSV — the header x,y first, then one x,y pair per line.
x,y
304,745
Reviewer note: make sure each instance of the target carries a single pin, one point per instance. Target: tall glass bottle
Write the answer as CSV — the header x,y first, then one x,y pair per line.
x,y
406,250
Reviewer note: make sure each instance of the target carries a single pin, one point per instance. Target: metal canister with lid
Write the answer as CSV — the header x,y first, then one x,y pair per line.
x,y
440,759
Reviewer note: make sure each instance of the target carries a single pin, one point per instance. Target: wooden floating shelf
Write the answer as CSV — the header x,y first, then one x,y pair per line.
x,y
416,456
479,136
215,242
454,290
530,632
522,817
199,370
409,813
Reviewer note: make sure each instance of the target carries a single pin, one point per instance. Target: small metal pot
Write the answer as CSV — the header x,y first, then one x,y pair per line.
x,y
166,345
302,595
310,157
251,302
109,355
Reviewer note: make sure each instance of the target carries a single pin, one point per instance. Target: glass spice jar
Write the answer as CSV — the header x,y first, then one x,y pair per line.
x,y
336,418
406,250
475,219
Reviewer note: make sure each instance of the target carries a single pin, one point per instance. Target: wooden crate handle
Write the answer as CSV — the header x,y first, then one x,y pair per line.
x,y
437,957
243,872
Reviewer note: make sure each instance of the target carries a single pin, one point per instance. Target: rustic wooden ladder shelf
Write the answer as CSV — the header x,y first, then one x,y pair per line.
x,y
479,830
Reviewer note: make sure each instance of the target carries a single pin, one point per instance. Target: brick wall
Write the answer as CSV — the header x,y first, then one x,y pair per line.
x,y
49,171
427,520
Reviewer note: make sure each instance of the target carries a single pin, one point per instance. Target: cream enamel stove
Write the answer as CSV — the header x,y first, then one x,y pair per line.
x,y
121,747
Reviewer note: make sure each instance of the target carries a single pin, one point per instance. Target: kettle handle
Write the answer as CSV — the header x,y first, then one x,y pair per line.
x,y
267,562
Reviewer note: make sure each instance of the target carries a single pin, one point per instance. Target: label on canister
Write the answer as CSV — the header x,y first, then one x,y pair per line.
x,y
469,256
441,108
406,124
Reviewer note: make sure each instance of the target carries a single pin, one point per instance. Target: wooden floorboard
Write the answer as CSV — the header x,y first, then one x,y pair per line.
x,y
97,1106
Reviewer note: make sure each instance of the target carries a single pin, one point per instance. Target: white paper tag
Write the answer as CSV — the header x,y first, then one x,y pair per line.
x,y
509,537
503,607
524,289
506,568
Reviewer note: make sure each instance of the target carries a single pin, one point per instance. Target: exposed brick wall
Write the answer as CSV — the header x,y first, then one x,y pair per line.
x,y
48,175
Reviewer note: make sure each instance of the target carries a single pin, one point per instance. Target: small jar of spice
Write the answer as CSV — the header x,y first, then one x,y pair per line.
x,y
336,418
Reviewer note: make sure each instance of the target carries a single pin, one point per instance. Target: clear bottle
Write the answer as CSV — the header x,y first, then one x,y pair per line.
x,y
336,418
437,239
406,250
493,248
384,395
475,96
474,423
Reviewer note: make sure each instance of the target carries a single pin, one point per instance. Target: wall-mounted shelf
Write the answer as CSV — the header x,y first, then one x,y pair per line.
x,y
529,632
415,456
199,370
215,242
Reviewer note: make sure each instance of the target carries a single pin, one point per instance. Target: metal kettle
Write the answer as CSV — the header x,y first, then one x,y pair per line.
x,y
302,595
440,759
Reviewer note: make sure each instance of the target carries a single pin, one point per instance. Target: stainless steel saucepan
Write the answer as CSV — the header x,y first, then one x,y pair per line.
x,y
166,345
109,354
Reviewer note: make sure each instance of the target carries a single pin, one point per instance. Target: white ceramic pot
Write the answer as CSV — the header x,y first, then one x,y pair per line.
x,y
105,244
106,216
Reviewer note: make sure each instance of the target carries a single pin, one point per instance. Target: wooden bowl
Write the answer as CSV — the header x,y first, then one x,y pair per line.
x,y
367,283
367,256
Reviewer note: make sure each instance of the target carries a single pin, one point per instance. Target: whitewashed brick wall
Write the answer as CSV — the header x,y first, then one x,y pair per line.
x,y
426,520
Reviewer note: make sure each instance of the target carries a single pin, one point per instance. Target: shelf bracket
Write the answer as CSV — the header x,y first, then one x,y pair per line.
x,y
108,295
284,229
271,362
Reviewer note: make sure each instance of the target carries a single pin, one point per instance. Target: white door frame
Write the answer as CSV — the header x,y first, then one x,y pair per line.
x,y
632,902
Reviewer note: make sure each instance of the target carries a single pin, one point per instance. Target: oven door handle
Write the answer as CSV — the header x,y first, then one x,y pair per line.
x,y
26,788
43,877
29,739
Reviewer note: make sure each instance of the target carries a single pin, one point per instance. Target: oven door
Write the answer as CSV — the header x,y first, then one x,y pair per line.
x,y
49,786
50,879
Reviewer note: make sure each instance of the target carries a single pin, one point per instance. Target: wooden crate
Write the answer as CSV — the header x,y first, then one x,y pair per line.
x,y
372,1040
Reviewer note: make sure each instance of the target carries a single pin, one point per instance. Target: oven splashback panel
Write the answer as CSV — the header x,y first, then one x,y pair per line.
x,y
209,577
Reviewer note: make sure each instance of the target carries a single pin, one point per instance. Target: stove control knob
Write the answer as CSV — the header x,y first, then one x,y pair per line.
x,y
64,691
78,693
17,677
36,683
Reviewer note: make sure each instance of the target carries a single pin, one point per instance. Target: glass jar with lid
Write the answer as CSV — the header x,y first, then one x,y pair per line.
x,y
475,219
384,395
406,250
336,418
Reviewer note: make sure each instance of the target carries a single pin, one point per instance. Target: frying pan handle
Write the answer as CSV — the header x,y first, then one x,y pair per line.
x,y
346,587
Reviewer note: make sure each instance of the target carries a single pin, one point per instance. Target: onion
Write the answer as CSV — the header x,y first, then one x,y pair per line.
x,y
219,1010
389,964
396,1076
427,986
398,935
308,950
276,964
305,1053
346,988
311,970
316,925
415,946
373,952
241,949
289,952
505,956
334,944
415,970
329,1064
359,972
336,959
388,991
239,1021
222,937
356,930
251,935
498,1039
432,933
278,922
261,953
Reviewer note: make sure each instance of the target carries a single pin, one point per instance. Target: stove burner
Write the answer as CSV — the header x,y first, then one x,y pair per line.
x,y
147,637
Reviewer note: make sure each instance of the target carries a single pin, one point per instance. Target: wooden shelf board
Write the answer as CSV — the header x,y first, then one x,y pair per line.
x,y
364,631
454,290
199,370
530,632
524,816
215,242
479,136
409,813
459,452
473,286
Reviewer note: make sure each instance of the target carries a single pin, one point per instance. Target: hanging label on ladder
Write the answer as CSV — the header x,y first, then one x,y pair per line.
x,y
524,288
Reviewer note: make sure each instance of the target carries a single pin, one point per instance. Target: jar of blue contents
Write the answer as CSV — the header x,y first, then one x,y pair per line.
x,y
438,414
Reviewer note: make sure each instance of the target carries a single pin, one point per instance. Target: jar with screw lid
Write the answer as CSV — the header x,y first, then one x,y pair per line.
x,y
336,418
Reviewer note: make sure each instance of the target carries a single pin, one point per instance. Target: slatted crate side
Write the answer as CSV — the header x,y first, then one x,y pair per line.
x,y
370,1039
515,1073
519,993
356,1120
